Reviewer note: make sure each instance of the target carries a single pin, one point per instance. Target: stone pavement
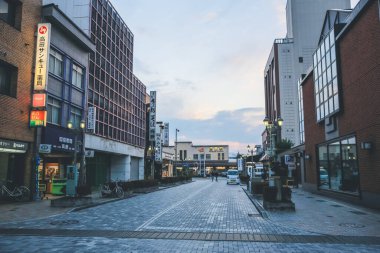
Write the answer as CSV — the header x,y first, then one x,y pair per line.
x,y
203,216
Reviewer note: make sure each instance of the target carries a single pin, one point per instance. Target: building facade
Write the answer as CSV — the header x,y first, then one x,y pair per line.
x,y
341,107
18,20
200,158
116,98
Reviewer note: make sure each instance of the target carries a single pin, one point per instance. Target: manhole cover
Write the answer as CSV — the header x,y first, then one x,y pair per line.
x,y
330,216
358,212
336,205
64,222
321,200
254,215
351,225
310,197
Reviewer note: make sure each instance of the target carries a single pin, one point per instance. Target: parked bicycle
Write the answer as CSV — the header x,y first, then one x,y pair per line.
x,y
19,193
107,190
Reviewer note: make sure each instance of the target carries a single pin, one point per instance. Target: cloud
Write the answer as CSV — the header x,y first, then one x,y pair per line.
x,y
236,128
208,17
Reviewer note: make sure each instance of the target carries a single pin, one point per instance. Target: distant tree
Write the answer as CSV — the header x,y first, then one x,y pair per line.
x,y
284,145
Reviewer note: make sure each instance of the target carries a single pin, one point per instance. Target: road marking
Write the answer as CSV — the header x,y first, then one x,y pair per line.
x,y
158,215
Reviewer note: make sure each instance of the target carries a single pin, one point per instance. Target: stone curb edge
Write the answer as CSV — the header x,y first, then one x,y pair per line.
x,y
257,204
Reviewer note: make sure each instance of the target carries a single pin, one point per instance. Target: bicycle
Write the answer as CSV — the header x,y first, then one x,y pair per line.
x,y
18,193
106,191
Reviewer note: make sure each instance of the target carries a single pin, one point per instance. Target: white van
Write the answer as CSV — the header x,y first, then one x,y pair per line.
x,y
233,177
258,170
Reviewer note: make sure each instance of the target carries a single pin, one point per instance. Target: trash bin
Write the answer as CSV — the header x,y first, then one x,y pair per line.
x,y
57,186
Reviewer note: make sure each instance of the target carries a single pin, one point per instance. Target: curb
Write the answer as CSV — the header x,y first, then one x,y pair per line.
x,y
257,204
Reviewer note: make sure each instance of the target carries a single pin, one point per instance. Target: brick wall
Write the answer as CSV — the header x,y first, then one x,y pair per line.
x,y
360,78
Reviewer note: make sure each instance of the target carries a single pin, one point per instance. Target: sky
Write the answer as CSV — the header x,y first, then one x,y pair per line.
x,y
206,59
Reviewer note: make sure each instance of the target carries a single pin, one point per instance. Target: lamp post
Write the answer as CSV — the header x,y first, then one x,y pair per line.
x,y
175,153
82,171
270,127
250,151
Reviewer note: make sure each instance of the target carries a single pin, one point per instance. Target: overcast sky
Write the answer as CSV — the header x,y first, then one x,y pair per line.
x,y
205,59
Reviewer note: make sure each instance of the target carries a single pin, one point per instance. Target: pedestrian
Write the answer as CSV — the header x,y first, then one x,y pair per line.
x,y
216,176
212,176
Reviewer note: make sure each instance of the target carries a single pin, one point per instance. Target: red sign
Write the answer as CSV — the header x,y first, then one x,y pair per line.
x,y
39,100
43,29
38,118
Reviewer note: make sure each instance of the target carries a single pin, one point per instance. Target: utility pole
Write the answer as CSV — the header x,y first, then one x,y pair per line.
x,y
175,153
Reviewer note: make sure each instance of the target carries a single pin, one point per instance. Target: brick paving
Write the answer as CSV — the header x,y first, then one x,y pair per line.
x,y
202,216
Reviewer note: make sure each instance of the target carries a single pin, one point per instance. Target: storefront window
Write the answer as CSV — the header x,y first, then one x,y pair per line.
x,y
338,167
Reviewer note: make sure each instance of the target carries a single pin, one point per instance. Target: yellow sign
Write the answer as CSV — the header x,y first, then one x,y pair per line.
x,y
216,149
42,56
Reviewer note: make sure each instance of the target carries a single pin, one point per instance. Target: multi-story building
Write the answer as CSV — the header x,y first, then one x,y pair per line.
x,y
116,98
290,57
288,61
341,107
66,88
18,21
202,158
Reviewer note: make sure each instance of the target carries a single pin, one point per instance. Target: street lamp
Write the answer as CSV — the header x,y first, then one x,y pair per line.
x,y
270,127
82,172
250,151
175,153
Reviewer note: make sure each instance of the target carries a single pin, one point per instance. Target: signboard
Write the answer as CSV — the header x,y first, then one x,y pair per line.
x,y
42,56
91,117
289,160
39,100
158,153
240,164
216,149
166,134
38,118
89,153
152,116
13,146
45,149
60,139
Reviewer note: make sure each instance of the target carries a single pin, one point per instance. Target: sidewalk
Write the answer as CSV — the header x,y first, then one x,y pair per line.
x,y
20,211
323,215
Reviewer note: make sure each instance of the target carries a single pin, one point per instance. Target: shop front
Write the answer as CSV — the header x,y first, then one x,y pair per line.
x,y
57,153
13,161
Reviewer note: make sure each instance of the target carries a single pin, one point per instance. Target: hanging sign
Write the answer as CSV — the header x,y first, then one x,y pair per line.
x,y
152,116
39,100
38,118
42,56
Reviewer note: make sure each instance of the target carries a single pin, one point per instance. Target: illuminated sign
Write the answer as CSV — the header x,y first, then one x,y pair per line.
x,y
39,100
216,149
42,56
38,118
152,116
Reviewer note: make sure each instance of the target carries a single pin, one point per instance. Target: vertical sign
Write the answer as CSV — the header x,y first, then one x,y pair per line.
x,y
166,134
158,153
240,164
91,116
152,116
42,56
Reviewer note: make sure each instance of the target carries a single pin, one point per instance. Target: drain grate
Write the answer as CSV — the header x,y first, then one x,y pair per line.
x,y
330,216
310,197
254,215
321,200
336,206
64,222
358,212
351,225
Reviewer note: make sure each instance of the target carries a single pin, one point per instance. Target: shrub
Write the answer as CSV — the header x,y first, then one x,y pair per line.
x,y
286,194
244,178
258,187
270,193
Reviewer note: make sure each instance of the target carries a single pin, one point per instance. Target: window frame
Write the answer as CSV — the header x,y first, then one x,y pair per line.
x,y
10,79
55,104
53,59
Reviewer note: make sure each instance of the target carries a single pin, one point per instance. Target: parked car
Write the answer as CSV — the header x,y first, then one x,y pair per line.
x,y
224,174
323,176
233,177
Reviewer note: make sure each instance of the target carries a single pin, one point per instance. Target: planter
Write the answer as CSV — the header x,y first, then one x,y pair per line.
x,y
286,194
270,193
258,187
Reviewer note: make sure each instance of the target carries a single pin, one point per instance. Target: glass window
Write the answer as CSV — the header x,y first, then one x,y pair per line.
x,y
56,63
75,117
332,53
334,166
77,78
195,157
335,86
327,42
332,37
54,111
323,167
334,69
8,11
8,79
208,156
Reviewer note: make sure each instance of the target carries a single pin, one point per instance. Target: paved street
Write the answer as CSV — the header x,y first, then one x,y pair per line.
x,y
201,216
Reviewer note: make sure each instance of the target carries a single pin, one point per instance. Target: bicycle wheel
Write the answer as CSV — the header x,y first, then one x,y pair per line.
x,y
24,193
119,192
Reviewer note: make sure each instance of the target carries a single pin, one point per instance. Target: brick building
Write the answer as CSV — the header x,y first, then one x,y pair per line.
x,y
341,107
18,20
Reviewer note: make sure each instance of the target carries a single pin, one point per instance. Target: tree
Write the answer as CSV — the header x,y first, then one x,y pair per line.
x,y
284,145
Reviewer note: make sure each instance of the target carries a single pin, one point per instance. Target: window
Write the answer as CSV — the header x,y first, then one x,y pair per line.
x,y
338,166
300,59
56,63
208,156
54,111
181,155
222,156
218,156
195,157
8,79
75,117
10,11
77,78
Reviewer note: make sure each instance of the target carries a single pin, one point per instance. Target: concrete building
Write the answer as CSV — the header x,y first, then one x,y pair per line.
x,y
116,98
290,57
341,107
200,158
18,21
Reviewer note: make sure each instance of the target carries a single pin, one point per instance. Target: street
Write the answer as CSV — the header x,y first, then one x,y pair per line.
x,y
201,216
